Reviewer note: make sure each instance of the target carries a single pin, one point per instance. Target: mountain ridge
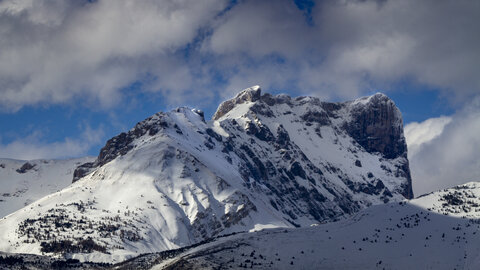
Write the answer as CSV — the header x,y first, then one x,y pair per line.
x,y
263,161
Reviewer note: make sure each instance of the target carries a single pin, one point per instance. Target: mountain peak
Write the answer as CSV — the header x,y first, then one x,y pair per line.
x,y
250,94
377,125
253,91
373,99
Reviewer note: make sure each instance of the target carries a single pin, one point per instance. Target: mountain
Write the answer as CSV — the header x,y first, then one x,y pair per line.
x,y
263,161
437,231
23,182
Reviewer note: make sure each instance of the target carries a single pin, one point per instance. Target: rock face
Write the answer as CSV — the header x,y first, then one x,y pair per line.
x,y
251,94
375,123
263,161
378,127
25,167
122,143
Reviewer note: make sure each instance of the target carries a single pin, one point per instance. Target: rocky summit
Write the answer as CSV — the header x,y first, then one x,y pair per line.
x,y
263,161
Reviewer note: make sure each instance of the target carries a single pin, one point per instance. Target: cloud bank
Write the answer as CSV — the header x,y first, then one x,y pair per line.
x,y
35,147
444,152
58,52
418,135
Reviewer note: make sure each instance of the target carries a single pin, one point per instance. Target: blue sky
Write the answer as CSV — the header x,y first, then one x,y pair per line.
x,y
75,73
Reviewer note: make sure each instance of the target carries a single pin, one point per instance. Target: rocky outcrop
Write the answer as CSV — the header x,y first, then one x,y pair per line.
x,y
377,126
122,143
251,94
25,167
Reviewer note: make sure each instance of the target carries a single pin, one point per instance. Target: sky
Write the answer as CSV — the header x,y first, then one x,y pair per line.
x,y
75,73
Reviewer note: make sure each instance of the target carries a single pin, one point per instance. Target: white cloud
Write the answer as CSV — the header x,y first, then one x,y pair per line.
x,y
353,47
33,147
448,157
375,42
60,51
420,134
55,51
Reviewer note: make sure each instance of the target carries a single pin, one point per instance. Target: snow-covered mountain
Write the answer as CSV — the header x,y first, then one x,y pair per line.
x,y
437,231
23,182
263,161
440,230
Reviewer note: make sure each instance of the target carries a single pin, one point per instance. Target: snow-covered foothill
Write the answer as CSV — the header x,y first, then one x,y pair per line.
x,y
438,231
23,182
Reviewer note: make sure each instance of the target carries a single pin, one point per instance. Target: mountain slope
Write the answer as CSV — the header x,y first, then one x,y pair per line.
x,y
23,182
437,231
263,161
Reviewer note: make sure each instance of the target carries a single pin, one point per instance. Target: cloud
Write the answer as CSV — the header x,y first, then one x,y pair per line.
x,y
355,47
445,150
420,134
261,28
57,52
33,147
373,40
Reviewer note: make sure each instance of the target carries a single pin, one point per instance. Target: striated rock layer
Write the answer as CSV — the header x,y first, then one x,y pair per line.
x,y
262,161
